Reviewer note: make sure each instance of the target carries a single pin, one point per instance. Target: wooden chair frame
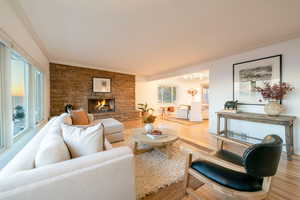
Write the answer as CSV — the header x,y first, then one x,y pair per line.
x,y
228,192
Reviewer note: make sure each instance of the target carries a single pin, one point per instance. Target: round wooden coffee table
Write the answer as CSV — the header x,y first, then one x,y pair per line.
x,y
161,144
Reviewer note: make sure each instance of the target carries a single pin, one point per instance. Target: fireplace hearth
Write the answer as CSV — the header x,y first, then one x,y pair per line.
x,y
101,105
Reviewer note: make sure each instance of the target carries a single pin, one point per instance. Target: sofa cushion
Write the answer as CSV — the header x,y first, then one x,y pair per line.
x,y
227,177
83,141
79,117
111,126
52,150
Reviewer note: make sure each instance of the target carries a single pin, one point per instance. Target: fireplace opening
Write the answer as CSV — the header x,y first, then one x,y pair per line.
x,y
101,105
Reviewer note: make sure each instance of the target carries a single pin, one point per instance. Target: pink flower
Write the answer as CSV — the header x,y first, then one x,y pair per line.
x,y
275,91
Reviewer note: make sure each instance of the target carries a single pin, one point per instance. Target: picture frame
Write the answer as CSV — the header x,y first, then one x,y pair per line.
x,y
253,73
101,85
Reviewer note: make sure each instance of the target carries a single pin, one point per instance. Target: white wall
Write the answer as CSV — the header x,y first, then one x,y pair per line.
x,y
220,80
221,89
146,91
14,28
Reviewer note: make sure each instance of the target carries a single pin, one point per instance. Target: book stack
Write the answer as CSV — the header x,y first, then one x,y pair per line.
x,y
156,134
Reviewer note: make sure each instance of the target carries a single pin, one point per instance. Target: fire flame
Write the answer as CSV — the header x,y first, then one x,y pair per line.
x,y
100,104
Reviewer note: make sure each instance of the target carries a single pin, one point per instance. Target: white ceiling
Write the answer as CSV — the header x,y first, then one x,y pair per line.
x,y
148,37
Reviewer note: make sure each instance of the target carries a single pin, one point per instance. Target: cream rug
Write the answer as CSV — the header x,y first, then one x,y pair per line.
x,y
155,171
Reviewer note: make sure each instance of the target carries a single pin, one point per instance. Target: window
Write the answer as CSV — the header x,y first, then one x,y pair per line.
x,y
19,94
21,99
166,94
205,93
38,94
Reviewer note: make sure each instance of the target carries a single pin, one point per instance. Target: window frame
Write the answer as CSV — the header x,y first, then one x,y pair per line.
x,y
7,137
173,97
38,92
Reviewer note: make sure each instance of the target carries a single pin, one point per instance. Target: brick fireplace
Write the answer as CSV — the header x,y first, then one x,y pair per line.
x,y
74,85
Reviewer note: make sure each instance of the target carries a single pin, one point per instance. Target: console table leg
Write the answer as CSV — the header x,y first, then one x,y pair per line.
x,y
218,125
289,141
219,143
226,127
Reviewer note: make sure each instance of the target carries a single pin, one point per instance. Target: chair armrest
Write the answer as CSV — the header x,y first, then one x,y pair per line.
x,y
233,141
211,158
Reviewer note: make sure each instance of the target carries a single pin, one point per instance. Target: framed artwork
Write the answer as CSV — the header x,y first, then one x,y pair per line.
x,y
102,85
251,74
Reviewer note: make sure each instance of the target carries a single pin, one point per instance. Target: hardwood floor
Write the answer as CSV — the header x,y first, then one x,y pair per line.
x,y
285,186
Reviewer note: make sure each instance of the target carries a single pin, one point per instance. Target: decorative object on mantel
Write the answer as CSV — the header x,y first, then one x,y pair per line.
x,y
148,120
230,106
252,74
274,94
68,108
102,85
144,109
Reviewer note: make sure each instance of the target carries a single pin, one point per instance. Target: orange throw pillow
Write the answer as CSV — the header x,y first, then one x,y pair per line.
x,y
79,117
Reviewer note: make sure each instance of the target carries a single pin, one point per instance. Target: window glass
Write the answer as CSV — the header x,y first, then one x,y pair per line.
x,y
166,94
19,93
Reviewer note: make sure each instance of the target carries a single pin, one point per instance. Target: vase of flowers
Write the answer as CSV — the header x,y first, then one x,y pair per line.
x,y
148,120
274,94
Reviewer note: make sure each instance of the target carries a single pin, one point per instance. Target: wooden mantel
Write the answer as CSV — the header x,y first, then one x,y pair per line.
x,y
283,120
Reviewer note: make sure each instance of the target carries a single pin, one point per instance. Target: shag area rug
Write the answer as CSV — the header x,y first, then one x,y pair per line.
x,y
155,171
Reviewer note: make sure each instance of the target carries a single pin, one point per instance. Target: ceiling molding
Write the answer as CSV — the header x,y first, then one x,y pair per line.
x,y
28,25
90,67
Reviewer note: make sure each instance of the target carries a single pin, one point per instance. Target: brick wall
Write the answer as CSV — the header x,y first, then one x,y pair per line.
x,y
73,85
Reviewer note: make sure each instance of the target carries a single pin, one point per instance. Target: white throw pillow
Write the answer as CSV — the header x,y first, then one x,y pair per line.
x,y
52,150
83,141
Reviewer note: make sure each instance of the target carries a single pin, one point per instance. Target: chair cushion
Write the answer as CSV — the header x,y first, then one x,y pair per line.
x,y
227,177
230,157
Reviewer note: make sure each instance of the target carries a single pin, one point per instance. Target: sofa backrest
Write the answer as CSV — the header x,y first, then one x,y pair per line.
x,y
25,159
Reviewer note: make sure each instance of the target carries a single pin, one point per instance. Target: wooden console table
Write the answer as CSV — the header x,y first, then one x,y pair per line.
x,y
283,120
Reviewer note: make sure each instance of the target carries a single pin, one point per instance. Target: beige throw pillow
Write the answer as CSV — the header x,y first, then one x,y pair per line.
x,y
83,141
52,150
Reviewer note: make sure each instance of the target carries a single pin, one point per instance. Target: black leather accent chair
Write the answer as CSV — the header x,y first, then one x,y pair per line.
x,y
250,173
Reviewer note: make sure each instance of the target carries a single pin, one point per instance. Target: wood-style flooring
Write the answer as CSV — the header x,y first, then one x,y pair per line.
x,y
285,186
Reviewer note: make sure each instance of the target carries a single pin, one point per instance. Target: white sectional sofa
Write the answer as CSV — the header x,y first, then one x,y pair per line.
x,y
107,175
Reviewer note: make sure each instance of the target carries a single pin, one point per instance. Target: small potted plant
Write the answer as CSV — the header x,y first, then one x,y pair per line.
x,y
144,109
148,120
274,93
